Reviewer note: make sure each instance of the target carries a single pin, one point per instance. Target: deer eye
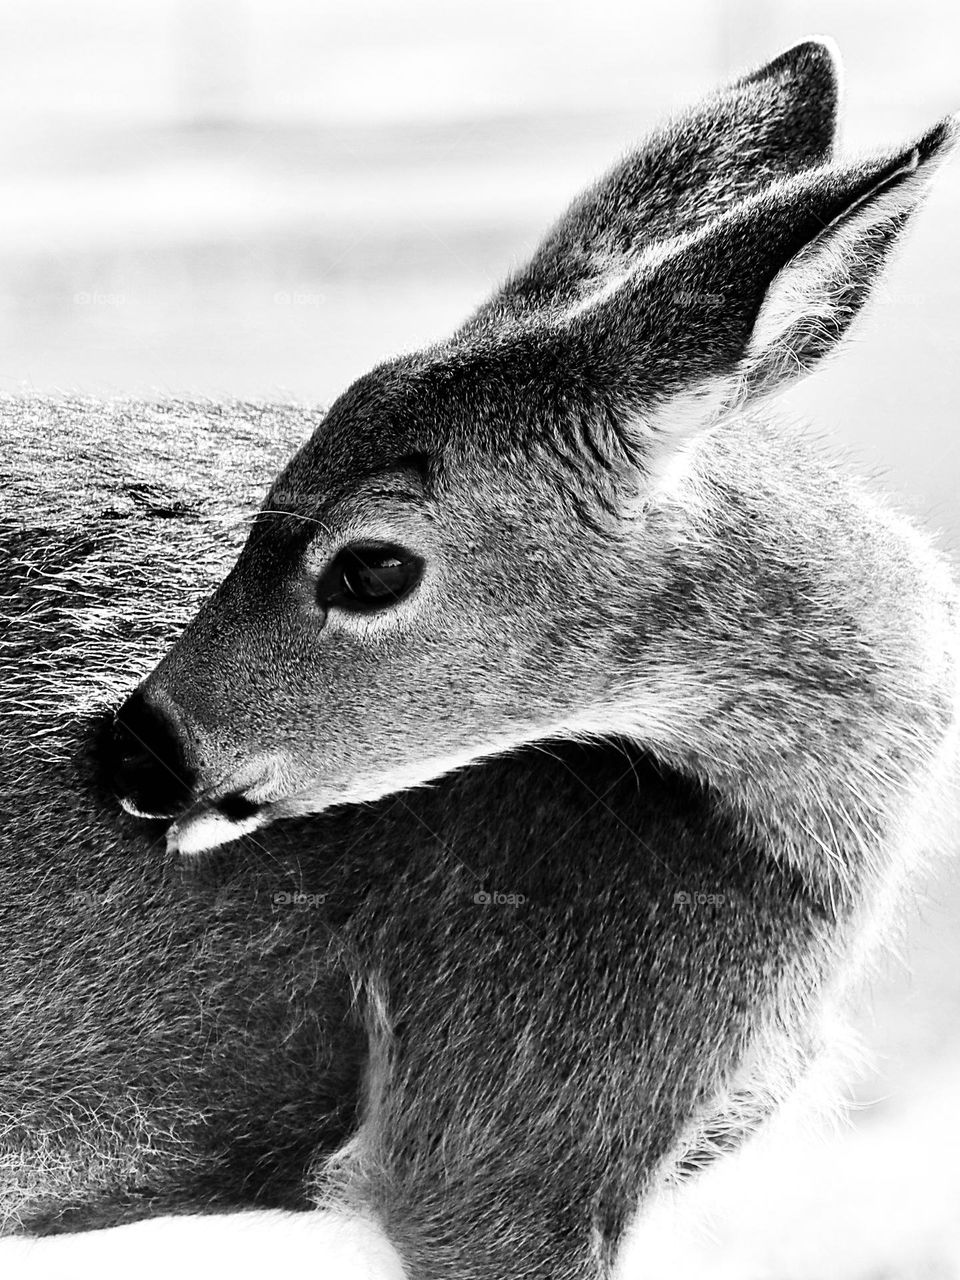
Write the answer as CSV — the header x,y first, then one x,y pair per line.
x,y
371,577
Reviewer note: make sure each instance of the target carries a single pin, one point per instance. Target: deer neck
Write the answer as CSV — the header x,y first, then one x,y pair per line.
x,y
792,650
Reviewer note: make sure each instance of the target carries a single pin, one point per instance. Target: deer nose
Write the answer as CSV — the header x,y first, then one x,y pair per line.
x,y
151,772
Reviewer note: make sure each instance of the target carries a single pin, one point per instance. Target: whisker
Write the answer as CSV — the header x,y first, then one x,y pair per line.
x,y
296,515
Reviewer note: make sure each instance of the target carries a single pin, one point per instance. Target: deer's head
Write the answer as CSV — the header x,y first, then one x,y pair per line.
x,y
465,555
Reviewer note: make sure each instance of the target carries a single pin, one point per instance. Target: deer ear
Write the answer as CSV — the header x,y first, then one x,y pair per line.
x,y
812,301
746,306
776,121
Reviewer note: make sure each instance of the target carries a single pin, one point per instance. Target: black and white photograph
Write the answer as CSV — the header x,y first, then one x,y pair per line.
x,y
480,640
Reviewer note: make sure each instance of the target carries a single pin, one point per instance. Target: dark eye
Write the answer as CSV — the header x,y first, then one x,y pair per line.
x,y
372,577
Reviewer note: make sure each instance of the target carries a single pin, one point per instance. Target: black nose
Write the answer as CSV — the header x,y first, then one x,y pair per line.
x,y
150,770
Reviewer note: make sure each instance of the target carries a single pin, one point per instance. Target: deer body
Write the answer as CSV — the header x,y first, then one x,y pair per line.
x,y
188,1040
690,694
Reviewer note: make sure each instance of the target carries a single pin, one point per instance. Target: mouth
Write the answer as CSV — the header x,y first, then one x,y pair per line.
x,y
129,805
217,816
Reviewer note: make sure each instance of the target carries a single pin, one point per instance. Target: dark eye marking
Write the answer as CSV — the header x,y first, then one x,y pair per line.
x,y
421,464
364,578
395,495
407,479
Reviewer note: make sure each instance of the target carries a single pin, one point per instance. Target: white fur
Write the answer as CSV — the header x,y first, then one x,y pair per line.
x,y
198,832
242,1246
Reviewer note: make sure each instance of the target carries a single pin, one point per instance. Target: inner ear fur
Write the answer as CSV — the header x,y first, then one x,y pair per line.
x,y
758,297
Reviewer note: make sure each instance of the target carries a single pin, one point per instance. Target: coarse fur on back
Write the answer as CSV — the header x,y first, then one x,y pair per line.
x,y
691,695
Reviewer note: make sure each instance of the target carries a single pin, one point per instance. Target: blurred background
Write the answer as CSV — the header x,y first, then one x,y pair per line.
x,y
262,198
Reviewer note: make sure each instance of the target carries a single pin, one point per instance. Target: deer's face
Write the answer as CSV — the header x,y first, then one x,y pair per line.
x,y
452,565
415,593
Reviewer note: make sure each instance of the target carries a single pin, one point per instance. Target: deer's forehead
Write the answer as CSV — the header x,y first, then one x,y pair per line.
x,y
447,425
329,476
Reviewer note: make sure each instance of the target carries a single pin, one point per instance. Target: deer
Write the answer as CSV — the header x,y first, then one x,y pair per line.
x,y
594,719
186,1046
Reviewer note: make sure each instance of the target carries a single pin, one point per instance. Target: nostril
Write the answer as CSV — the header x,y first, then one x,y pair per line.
x,y
150,767
237,806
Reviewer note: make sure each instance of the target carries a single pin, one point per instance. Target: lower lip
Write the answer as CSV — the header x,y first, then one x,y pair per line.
x,y
129,807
